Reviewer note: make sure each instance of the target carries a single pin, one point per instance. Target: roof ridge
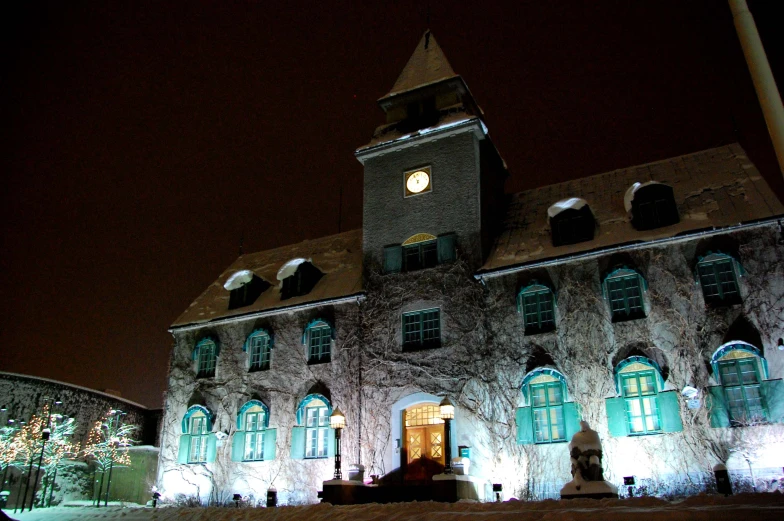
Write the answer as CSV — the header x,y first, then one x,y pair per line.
x,y
728,146
427,65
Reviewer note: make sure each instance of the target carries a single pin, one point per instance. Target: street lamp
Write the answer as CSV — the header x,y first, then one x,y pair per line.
x,y
447,414
45,435
338,422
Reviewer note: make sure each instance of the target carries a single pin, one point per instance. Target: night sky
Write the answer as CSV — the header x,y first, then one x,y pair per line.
x,y
143,141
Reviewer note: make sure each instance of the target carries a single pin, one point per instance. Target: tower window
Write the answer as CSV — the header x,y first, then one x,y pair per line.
x,y
422,329
419,256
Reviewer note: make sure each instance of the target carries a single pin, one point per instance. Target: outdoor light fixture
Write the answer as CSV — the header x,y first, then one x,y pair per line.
x,y
781,344
447,414
337,421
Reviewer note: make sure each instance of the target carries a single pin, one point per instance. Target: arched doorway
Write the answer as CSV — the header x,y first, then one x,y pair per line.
x,y
423,442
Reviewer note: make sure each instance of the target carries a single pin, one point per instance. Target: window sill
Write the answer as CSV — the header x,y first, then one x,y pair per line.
x,y
638,434
316,458
258,369
549,442
319,361
413,347
538,331
628,318
205,375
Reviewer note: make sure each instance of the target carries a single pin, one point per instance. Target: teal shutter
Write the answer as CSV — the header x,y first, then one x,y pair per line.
x,y
525,426
670,411
393,258
211,447
185,447
297,442
331,443
238,446
717,407
446,248
616,416
571,419
270,444
773,398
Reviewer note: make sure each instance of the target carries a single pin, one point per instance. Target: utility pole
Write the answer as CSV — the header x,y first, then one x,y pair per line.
x,y
761,75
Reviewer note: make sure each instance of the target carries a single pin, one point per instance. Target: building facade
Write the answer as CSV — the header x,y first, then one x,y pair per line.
x,y
646,301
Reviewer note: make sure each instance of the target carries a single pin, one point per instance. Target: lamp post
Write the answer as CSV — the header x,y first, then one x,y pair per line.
x,y
46,432
338,422
447,414
119,414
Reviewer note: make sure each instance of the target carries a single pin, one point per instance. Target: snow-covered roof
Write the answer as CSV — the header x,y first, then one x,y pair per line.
x,y
427,65
449,118
290,268
628,197
339,257
238,280
572,203
713,188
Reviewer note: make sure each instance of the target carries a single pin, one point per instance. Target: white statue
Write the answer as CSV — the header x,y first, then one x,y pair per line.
x,y
585,451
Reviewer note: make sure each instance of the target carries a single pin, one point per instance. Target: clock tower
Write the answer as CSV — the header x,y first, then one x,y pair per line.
x,y
432,176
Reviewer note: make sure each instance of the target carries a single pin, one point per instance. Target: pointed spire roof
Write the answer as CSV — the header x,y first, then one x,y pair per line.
x,y
426,66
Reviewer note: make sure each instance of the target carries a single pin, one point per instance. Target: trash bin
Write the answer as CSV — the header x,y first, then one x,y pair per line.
x,y
272,497
723,484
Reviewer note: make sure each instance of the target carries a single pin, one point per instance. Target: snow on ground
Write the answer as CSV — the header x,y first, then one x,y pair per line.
x,y
742,507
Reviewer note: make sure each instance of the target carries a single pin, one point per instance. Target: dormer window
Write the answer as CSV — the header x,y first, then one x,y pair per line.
x,y
571,221
244,287
652,205
298,277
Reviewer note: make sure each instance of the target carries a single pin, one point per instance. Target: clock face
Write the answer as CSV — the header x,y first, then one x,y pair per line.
x,y
417,181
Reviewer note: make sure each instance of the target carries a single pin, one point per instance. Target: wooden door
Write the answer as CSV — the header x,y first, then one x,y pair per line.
x,y
424,443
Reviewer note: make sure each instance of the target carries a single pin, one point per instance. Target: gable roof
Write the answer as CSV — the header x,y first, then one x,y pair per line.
x,y
714,188
427,65
338,257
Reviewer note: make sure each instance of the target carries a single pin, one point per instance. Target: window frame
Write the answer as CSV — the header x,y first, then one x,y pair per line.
x,y
626,311
541,325
653,206
713,261
418,319
264,354
744,387
316,423
548,409
641,398
256,435
318,335
206,361
425,252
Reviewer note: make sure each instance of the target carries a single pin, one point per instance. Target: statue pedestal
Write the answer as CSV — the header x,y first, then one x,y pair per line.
x,y
450,488
589,489
344,492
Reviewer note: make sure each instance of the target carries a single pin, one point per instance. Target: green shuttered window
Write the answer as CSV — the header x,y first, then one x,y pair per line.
x,y
548,414
742,393
536,303
642,411
625,294
422,329
259,352
206,356
718,279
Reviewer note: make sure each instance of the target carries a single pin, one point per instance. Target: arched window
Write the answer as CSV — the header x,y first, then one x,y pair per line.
x,y
420,251
312,438
652,205
744,395
258,346
718,275
318,337
298,277
624,289
197,442
548,417
254,440
205,354
537,305
642,407
571,221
